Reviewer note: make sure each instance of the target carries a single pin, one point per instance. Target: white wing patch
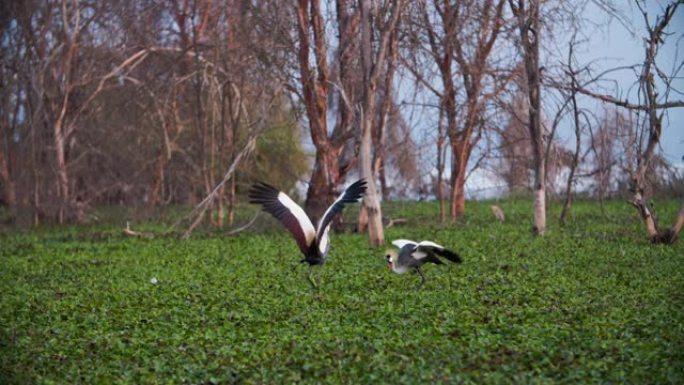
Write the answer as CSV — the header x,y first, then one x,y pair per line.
x,y
324,242
402,242
419,254
302,218
430,244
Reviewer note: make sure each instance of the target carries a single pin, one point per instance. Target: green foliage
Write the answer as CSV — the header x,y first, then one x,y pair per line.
x,y
592,302
279,153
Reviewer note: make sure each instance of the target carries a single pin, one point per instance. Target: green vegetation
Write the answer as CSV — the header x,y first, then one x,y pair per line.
x,y
593,302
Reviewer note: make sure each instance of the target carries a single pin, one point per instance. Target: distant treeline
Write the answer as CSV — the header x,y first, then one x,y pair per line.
x,y
149,103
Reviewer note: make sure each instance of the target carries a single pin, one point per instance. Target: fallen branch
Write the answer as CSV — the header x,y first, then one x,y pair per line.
x,y
398,221
132,233
245,227
198,212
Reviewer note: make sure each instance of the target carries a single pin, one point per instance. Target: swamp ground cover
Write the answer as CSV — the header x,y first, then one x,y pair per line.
x,y
591,302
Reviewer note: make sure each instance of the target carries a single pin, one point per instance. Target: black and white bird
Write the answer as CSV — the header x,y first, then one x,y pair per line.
x,y
314,243
412,256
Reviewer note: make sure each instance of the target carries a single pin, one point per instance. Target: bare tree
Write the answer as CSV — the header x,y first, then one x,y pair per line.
x,y
329,171
653,127
373,63
527,15
576,115
647,135
461,38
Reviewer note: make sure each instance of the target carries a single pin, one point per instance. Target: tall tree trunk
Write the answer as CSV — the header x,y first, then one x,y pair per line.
x,y
62,174
539,199
654,125
324,179
371,202
528,24
326,173
578,139
459,152
231,202
157,181
10,197
10,192
567,205
441,139
373,62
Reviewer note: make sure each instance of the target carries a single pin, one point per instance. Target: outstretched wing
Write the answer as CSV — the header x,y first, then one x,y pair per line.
x,y
400,243
351,194
426,248
281,206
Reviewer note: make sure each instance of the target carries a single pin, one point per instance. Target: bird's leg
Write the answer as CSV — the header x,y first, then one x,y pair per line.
x,y
422,278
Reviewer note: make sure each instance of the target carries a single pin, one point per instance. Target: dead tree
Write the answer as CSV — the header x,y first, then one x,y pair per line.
x,y
373,62
647,135
527,15
572,73
653,127
461,38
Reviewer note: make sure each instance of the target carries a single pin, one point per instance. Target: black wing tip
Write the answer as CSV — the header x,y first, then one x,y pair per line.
x,y
262,192
356,190
450,255
262,186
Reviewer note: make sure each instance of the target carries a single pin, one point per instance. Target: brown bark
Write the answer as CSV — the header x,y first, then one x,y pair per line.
x,y
441,138
373,62
155,190
458,174
528,24
9,187
473,64
654,127
327,172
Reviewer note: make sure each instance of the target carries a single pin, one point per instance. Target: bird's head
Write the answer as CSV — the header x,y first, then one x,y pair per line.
x,y
391,256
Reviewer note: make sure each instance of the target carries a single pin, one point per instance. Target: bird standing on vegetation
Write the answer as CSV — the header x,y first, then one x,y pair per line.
x,y
314,243
413,255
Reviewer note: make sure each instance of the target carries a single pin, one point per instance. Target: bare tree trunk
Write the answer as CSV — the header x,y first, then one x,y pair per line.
x,y
371,202
386,109
458,174
9,193
220,210
10,197
362,220
62,174
327,173
472,56
654,131
231,202
372,63
528,24
441,139
567,205
677,226
155,190
325,176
